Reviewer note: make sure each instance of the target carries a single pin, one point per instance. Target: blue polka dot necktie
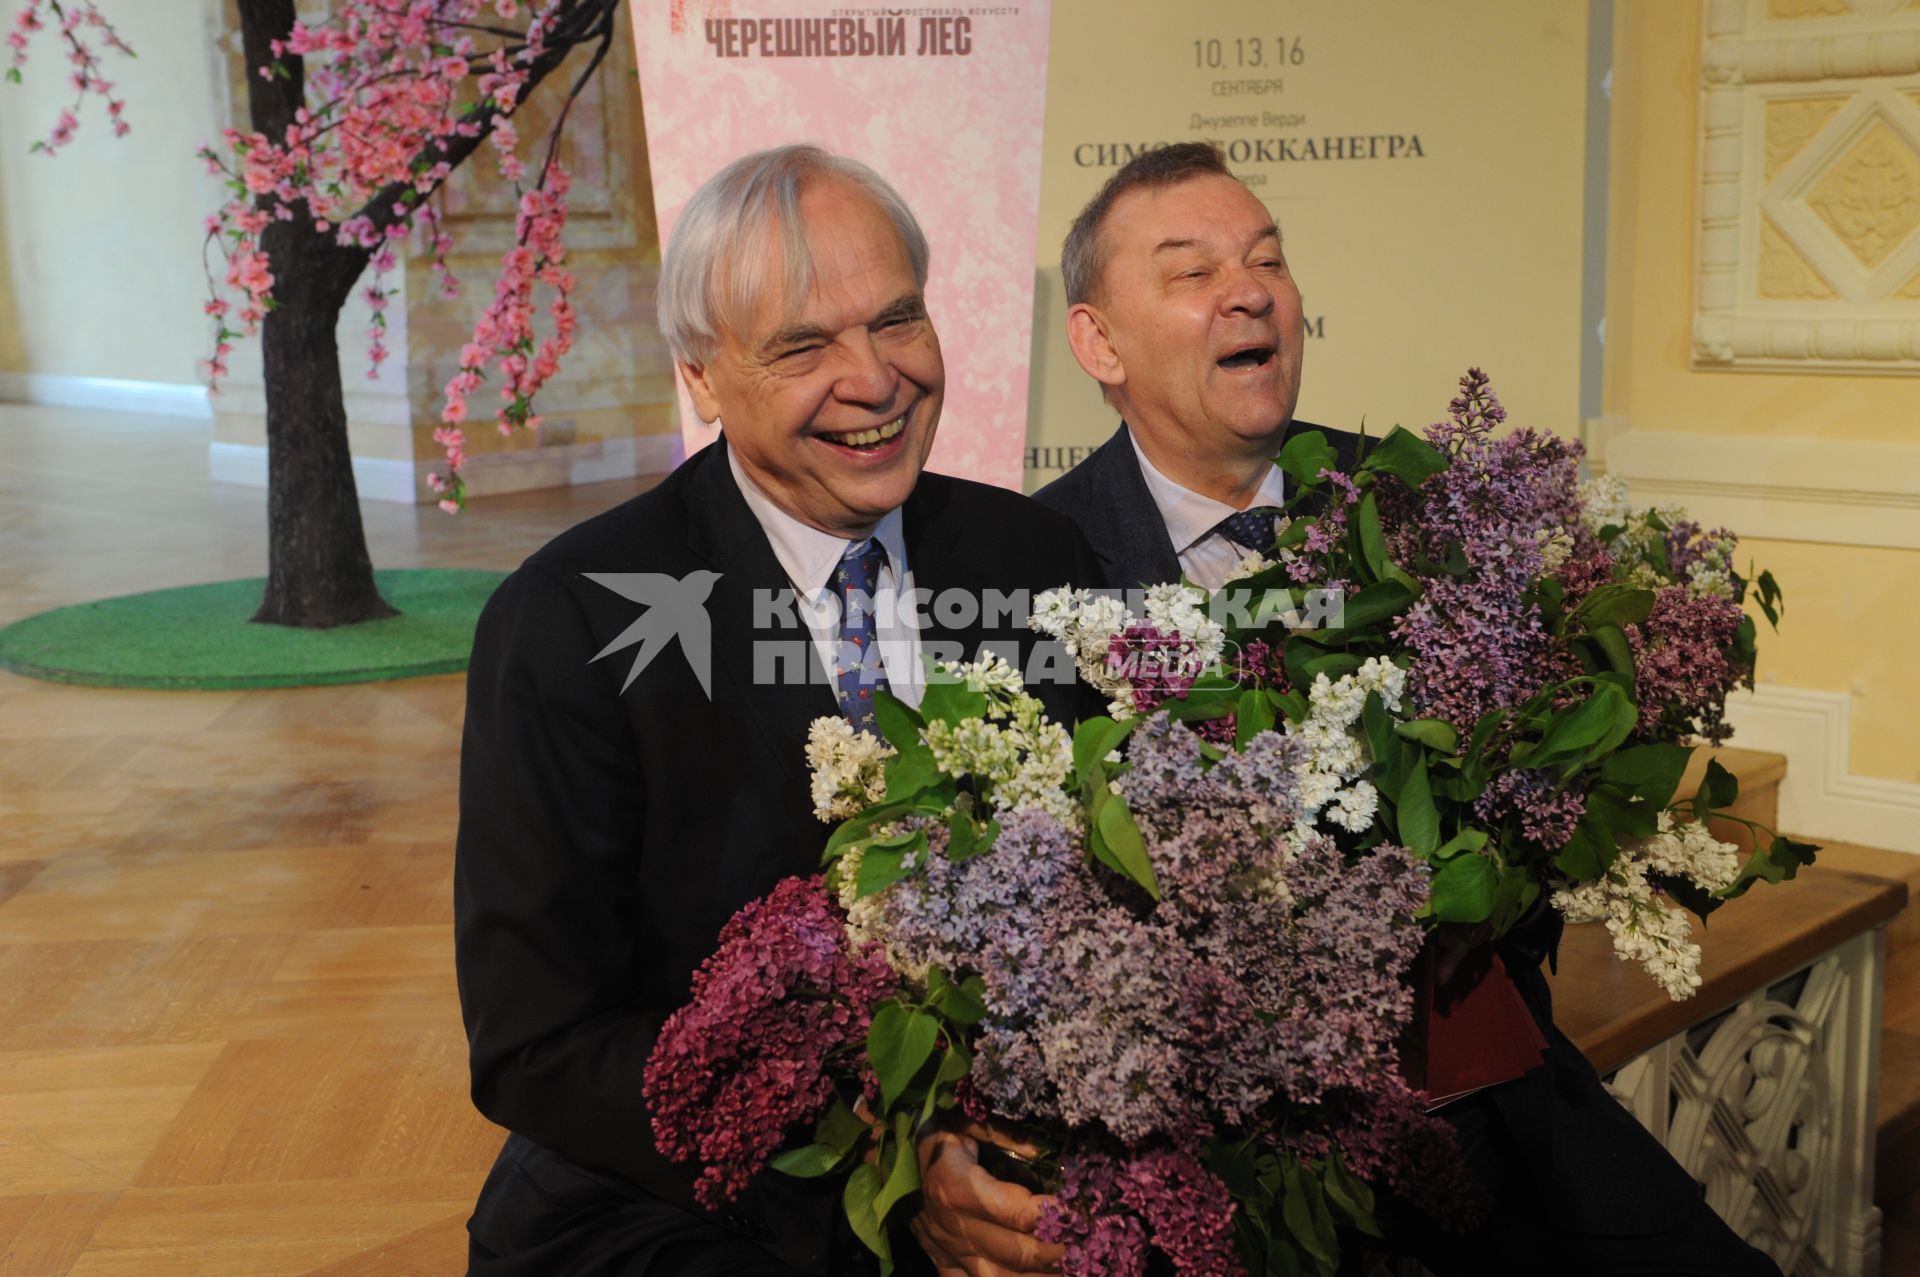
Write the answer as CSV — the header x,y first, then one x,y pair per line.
x,y
857,669
1250,529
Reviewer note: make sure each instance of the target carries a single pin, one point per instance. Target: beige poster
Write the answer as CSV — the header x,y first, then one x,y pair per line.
x,y
1423,158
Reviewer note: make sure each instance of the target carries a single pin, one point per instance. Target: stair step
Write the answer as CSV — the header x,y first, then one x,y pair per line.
x,y
1759,772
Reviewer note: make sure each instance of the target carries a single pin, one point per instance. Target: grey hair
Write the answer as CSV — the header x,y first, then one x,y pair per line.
x,y
1083,256
714,265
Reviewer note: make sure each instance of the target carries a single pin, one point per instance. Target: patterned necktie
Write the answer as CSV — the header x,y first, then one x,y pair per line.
x,y
1250,529
857,671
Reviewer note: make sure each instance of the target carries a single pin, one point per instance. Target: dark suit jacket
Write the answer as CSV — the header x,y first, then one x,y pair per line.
x,y
1107,497
606,836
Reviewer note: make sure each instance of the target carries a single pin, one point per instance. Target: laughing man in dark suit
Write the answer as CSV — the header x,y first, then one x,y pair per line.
x,y
615,812
1183,308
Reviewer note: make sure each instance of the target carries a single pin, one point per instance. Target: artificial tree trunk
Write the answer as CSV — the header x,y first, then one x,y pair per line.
x,y
318,572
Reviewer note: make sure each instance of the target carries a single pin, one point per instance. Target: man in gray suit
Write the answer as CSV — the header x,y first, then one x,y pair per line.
x,y
1182,307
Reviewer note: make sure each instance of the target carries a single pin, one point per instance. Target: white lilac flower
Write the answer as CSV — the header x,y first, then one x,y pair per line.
x,y
1646,929
1556,547
1252,565
1603,502
848,768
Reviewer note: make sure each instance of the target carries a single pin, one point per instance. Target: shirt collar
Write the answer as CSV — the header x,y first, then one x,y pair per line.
x,y
1190,517
807,554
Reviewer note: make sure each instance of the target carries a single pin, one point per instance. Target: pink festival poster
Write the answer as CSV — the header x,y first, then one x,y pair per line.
x,y
946,101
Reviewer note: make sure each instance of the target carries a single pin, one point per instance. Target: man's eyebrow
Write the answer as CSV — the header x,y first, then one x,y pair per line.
x,y
907,306
1270,231
797,335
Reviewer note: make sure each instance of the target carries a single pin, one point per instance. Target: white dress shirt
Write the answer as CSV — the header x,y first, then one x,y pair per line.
x,y
1205,556
809,557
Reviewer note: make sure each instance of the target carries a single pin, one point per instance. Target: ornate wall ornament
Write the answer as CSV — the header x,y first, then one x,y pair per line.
x,y
1809,202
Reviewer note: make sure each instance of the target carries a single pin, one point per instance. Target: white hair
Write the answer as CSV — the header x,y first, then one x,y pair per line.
x,y
715,264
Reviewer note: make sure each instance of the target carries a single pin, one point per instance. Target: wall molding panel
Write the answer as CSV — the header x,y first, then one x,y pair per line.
x,y
1821,797
1808,252
155,398
404,481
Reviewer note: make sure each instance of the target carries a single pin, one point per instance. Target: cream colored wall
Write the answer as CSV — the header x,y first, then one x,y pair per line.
x,y
100,271
1850,607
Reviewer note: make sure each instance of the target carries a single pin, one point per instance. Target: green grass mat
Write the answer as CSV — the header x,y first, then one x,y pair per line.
x,y
199,637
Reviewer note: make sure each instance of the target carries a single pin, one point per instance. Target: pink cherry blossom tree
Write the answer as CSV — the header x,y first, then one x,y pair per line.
x,y
354,124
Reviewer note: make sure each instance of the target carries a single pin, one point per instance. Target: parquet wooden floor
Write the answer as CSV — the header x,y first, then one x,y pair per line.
x,y
229,1038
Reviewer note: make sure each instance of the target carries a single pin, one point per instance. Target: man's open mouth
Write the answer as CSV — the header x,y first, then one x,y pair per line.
x,y
866,440
1247,357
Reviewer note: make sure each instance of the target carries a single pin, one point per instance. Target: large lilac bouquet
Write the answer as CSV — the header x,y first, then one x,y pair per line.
x,y
1192,1006
1486,662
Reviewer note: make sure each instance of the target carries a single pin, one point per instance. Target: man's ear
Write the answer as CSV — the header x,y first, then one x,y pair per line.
x,y
1093,346
700,387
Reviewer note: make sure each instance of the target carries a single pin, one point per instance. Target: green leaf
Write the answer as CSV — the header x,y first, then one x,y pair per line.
x,y
961,835
1581,731
1094,739
1648,772
1212,695
904,1176
1117,831
1615,604
1381,601
899,1042
1418,818
1464,889
1350,1195
1381,738
1718,791
898,721
863,1188
883,863
1589,853
911,772
13,75
1473,840
1335,665
809,1161
1303,1210
838,1134
1255,715
1780,861
951,701
1373,545
1613,645
1305,456
1434,733
1771,602
961,1003
1406,456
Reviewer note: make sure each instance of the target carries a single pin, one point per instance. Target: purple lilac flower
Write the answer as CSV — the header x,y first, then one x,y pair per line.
x,y
1476,641
1097,1216
758,1049
1547,813
1683,671
1387,1137
1158,666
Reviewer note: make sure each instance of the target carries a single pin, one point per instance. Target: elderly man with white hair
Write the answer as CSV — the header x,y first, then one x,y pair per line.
x,y
615,812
